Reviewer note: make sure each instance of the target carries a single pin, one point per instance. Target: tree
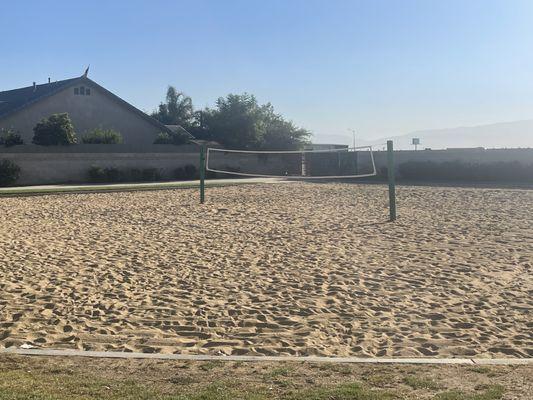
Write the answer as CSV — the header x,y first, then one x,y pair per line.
x,y
239,122
281,134
8,137
57,129
177,110
235,122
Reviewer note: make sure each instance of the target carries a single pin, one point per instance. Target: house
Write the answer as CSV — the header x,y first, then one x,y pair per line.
x,y
88,104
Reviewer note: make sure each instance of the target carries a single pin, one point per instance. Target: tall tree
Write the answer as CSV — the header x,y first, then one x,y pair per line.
x,y
177,109
239,122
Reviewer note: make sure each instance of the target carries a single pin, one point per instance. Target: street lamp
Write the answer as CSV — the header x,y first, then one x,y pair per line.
x,y
353,136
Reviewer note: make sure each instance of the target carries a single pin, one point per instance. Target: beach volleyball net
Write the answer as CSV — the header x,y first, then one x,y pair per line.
x,y
357,162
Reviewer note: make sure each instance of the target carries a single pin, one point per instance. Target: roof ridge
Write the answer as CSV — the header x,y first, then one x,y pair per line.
x,y
15,100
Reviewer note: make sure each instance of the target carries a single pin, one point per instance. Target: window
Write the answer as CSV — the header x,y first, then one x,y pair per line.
x,y
82,91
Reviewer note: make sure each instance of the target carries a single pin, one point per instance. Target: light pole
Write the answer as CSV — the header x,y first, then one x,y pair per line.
x,y
353,136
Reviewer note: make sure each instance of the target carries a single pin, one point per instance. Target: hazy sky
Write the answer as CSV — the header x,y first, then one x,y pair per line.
x,y
382,67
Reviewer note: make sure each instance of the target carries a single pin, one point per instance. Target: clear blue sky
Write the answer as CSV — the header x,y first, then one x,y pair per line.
x,y
382,67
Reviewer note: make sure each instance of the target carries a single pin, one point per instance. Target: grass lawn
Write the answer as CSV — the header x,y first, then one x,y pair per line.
x,y
41,378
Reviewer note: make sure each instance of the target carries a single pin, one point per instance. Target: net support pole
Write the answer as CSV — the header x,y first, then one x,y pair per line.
x,y
202,174
392,183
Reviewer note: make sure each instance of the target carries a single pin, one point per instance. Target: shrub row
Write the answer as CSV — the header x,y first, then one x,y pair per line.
x,y
186,173
57,129
113,174
175,138
102,136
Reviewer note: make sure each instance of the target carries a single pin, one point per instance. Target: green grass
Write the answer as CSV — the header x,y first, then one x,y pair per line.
x,y
277,372
485,371
20,385
492,392
209,365
420,383
37,378
335,368
350,391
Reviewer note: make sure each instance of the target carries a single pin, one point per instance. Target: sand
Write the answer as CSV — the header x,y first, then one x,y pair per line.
x,y
298,268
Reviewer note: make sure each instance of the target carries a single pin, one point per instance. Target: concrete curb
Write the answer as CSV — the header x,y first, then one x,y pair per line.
x,y
14,191
190,357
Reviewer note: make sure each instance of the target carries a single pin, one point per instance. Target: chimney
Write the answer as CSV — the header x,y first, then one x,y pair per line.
x,y
34,86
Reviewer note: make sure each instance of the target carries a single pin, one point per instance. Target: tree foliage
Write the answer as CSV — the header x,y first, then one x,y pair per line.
x,y
57,129
9,137
176,110
239,122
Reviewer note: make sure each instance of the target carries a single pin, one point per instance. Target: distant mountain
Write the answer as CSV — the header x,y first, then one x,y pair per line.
x,y
500,135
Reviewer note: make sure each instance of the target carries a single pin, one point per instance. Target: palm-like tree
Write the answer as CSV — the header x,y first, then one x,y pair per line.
x,y
177,110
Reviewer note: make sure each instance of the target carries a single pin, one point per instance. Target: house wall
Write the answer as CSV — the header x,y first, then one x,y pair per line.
x,y
86,113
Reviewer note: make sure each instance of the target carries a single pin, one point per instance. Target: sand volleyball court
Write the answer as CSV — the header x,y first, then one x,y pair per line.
x,y
286,269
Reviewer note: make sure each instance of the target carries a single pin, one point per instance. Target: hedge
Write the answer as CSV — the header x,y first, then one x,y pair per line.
x,y
9,172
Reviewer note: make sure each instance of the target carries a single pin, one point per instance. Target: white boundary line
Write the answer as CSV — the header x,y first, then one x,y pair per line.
x,y
214,149
313,359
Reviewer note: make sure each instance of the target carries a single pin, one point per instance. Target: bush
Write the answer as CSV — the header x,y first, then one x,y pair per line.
x,y
109,174
96,174
55,130
136,175
151,174
112,174
175,138
9,172
185,173
102,136
163,138
8,138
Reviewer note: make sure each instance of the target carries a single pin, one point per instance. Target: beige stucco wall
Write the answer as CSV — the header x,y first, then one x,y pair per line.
x,y
474,156
70,164
86,113
64,164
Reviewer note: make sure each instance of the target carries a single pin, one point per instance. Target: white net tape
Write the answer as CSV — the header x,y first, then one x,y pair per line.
x,y
357,162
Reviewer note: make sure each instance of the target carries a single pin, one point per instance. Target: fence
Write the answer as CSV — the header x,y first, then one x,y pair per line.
x,y
70,164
